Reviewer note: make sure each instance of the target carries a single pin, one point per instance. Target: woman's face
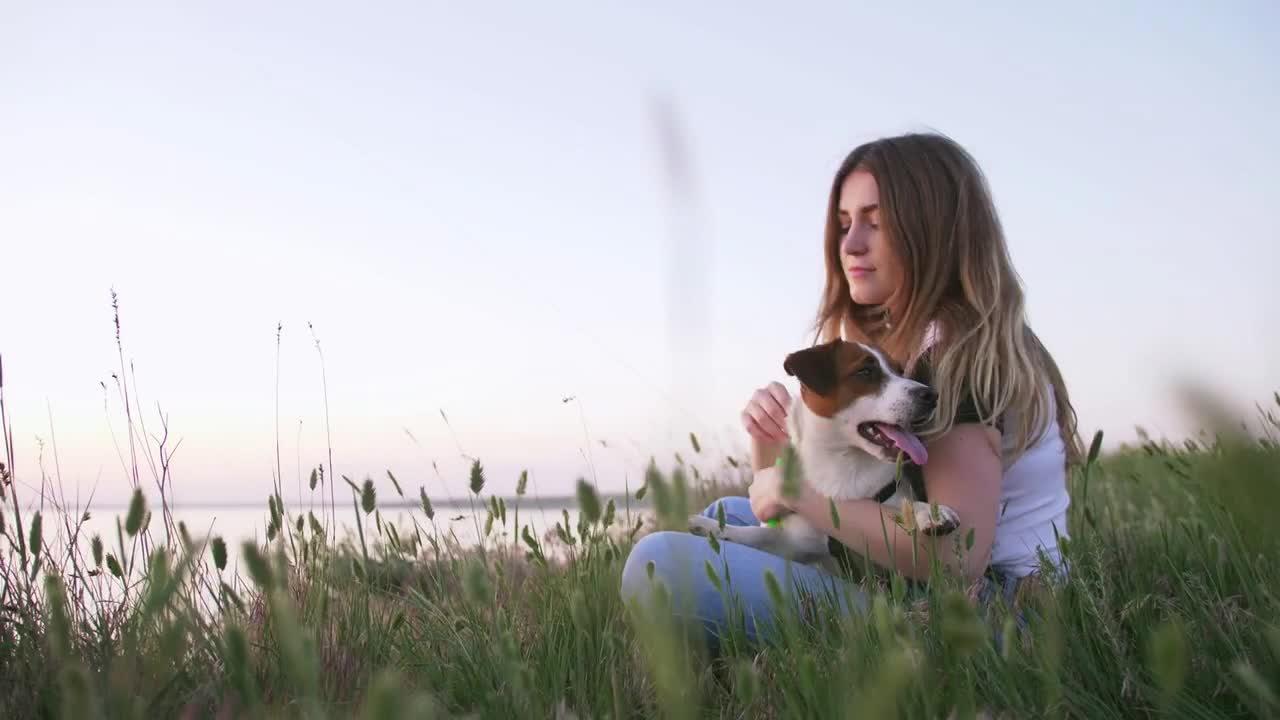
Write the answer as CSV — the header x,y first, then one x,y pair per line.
x,y
869,263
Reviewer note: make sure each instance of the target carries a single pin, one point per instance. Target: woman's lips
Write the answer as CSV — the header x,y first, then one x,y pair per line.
x,y
860,271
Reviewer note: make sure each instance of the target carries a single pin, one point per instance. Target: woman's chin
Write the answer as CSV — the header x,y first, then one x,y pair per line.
x,y
866,295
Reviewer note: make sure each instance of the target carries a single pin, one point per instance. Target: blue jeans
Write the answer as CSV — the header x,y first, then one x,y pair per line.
x,y
679,561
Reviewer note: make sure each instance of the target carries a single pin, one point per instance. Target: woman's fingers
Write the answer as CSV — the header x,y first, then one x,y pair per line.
x,y
757,431
775,401
779,393
769,427
765,417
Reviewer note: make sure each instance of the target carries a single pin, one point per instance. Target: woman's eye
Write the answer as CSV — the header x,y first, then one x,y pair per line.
x,y
844,230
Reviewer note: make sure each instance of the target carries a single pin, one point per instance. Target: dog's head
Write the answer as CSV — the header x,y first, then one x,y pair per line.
x,y
865,392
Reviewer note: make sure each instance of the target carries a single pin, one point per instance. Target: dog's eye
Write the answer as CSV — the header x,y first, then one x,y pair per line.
x,y
867,372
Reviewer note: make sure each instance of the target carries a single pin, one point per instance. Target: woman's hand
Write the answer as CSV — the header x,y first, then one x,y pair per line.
x,y
765,492
767,499
765,416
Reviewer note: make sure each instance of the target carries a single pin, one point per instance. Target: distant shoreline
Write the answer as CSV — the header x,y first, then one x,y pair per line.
x,y
558,501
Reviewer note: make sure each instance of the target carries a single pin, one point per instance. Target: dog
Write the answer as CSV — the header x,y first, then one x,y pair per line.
x,y
853,417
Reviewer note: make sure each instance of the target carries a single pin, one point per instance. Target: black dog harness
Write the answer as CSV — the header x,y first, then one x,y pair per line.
x,y
886,492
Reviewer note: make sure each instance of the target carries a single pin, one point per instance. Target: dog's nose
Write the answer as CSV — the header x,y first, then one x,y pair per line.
x,y
926,396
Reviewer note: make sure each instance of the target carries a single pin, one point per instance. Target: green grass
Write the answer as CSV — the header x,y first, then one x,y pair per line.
x,y
1170,611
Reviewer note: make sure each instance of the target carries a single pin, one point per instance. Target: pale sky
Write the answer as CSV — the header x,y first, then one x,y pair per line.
x,y
474,205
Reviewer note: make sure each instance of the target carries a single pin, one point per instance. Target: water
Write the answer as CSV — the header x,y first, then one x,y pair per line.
x,y
238,523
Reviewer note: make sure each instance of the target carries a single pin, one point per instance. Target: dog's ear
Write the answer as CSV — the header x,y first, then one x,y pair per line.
x,y
815,367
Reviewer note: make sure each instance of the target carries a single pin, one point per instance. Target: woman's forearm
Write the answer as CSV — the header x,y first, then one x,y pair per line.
x,y
764,453
864,527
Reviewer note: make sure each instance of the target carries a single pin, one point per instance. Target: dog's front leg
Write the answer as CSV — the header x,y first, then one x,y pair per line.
x,y
922,517
761,537
792,539
943,523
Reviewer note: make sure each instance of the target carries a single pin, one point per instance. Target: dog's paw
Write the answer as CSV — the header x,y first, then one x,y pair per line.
x,y
946,521
703,525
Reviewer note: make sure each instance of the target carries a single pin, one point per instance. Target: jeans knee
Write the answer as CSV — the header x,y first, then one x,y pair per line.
x,y
737,510
649,561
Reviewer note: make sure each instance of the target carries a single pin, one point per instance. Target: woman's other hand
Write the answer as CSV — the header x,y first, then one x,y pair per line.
x,y
765,417
765,491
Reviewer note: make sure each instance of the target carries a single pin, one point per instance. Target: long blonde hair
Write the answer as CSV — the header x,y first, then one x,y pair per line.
x,y
958,286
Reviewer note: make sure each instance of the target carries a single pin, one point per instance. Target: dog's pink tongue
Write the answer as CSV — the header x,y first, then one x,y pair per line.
x,y
907,443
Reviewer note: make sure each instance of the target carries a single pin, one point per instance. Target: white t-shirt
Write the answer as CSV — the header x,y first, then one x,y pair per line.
x,y
1033,503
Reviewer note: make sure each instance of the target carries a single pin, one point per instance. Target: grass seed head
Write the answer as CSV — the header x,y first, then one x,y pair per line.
x,y
259,567
219,547
427,509
588,502
137,508
368,496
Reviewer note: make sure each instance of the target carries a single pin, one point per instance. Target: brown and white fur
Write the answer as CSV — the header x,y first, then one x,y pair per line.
x,y
848,391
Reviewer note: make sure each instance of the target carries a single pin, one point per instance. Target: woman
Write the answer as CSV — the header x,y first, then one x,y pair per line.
x,y
916,263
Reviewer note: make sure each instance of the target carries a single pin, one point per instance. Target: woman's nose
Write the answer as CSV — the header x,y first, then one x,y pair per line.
x,y
854,242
